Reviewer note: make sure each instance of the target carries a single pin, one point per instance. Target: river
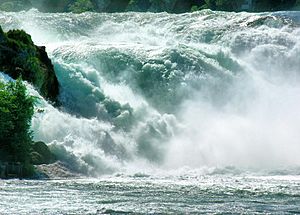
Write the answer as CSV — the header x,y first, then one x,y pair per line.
x,y
167,113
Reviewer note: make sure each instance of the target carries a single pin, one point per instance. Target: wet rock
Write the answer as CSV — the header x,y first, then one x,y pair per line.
x,y
55,170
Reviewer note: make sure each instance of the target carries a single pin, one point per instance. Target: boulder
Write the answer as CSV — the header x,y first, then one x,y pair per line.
x,y
20,57
41,154
55,170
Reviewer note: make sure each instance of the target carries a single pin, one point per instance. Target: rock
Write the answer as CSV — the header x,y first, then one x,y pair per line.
x,y
20,57
41,154
55,170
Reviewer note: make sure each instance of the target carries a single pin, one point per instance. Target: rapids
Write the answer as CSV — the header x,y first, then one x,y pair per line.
x,y
144,92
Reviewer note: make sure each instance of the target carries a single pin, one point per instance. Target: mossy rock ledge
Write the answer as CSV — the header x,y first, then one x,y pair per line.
x,y
20,57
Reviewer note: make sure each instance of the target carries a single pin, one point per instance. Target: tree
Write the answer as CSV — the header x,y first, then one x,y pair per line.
x,y
81,6
16,111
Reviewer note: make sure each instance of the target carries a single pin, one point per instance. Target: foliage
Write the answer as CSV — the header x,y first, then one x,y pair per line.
x,y
81,6
174,6
194,8
21,43
20,57
16,111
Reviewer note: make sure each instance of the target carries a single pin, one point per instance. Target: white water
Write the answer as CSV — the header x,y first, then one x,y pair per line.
x,y
143,92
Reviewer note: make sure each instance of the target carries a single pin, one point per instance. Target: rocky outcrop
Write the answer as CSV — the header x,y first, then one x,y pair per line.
x,y
41,154
55,170
20,57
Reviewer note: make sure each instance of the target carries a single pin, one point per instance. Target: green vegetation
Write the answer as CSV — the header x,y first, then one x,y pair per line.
x,y
20,57
15,5
16,145
81,6
16,111
172,6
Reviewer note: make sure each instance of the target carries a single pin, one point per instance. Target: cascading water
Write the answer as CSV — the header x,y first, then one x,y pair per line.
x,y
205,89
185,114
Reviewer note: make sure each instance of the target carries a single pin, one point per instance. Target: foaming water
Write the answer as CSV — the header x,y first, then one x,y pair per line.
x,y
151,195
142,92
260,136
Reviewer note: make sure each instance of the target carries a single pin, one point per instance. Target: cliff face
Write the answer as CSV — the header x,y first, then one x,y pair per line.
x,y
20,57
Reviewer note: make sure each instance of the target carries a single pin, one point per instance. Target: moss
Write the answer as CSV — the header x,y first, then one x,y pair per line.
x,y
20,36
20,57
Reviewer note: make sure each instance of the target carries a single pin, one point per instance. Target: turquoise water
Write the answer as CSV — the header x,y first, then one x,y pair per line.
x,y
215,194
164,113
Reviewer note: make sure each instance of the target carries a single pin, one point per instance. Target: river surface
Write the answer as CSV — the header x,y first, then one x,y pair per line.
x,y
215,194
165,113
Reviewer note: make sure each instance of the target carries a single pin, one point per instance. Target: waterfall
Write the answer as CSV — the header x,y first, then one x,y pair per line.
x,y
203,89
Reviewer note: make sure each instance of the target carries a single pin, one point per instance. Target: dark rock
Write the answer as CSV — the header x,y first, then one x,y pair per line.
x,y
20,57
41,154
